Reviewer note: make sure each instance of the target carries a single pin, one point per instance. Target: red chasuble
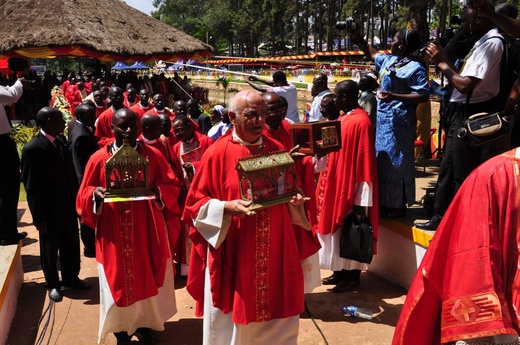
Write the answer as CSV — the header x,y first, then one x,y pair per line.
x,y
100,110
204,142
173,221
256,273
140,110
305,170
467,285
131,239
282,134
354,163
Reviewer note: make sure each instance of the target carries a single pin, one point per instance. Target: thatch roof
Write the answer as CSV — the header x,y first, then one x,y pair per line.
x,y
110,29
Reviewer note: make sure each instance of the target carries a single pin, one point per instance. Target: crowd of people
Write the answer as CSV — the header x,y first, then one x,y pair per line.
x,y
248,270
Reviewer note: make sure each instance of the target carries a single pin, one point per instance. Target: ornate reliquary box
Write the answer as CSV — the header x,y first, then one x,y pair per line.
x,y
127,176
267,180
317,137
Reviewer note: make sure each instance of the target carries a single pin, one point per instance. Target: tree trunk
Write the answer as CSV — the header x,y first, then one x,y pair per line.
x,y
417,18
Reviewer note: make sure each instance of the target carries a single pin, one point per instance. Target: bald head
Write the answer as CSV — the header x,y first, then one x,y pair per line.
x,y
319,84
247,111
151,126
124,126
166,124
51,121
86,114
179,108
158,101
238,102
328,107
181,127
116,96
346,93
275,112
193,108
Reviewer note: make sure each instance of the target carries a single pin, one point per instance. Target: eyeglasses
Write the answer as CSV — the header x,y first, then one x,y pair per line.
x,y
251,114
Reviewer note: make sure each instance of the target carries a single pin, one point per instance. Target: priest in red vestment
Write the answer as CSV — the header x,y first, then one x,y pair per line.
x,y
137,291
143,106
159,106
76,95
99,101
347,184
467,286
276,127
169,140
130,97
245,271
152,128
186,156
104,132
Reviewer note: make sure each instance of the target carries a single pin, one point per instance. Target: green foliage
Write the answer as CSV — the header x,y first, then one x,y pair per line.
x,y
23,194
224,82
21,135
240,26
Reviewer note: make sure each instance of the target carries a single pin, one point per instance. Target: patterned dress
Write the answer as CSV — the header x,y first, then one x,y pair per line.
x,y
396,125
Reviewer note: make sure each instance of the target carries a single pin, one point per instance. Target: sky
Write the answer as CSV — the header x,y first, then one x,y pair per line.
x,y
142,5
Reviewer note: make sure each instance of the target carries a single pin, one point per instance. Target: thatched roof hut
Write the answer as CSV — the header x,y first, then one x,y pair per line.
x,y
105,29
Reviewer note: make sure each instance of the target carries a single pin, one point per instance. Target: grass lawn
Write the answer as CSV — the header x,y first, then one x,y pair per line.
x,y
23,195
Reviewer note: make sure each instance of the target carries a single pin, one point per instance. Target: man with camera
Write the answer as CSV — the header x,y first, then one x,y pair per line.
x,y
9,170
475,89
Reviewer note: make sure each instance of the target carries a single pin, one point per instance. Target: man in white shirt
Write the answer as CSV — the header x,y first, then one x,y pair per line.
x,y
318,90
9,170
281,87
479,77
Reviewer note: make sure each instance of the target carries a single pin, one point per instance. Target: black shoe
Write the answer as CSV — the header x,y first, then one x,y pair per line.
x,y
22,235
123,338
392,213
334,279
13,240
77,284
55,295
89,252
431,225
346,285
146,336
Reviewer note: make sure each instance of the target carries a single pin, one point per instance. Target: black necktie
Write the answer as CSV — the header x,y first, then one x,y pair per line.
x,y
59,146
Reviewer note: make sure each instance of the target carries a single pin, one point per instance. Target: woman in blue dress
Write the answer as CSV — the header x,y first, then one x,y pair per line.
x,y
403,84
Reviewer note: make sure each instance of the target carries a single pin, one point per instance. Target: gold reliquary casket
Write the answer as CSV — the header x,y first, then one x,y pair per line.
x,y
127,176
267,180
317,137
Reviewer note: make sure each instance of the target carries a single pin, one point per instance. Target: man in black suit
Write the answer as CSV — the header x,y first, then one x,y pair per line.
x,y
83,145
51,186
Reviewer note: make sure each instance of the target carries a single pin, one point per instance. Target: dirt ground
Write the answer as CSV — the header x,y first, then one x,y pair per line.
x,y
75,319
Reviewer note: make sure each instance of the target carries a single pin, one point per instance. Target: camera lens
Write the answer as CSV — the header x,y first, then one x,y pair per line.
x,y
341,25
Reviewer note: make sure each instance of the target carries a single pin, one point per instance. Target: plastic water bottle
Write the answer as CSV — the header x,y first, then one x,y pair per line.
x,y
357,312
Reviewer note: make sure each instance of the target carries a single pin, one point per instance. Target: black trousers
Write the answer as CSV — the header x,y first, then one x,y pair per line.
x,y
460,158
62,240
88,236
9,187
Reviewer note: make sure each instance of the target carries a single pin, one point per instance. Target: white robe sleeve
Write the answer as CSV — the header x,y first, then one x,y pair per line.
x,y
363,196
211,222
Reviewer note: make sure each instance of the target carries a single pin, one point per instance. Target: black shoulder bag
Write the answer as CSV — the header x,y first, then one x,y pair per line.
x,y
483,128
357,239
